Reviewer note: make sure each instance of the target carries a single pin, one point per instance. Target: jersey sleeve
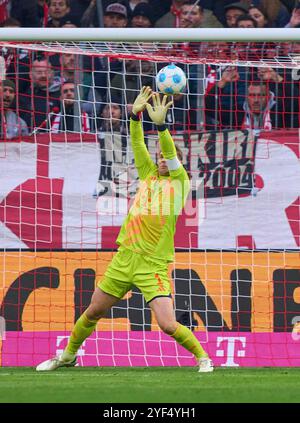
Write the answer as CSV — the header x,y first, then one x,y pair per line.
x,y
179,176
142,159
169,152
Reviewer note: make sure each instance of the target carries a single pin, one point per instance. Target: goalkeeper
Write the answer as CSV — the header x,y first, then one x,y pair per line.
x,y
146,240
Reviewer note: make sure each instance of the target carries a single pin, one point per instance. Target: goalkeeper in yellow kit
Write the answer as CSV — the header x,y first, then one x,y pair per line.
x,y
146,240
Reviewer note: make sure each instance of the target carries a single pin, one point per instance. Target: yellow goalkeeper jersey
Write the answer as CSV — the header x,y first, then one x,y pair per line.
x,y
150,225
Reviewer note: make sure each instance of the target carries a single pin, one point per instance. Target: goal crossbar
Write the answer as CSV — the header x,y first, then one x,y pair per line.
x,y
149,34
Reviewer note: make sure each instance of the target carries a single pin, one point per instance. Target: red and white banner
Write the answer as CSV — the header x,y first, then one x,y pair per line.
x,y
56,191
269,216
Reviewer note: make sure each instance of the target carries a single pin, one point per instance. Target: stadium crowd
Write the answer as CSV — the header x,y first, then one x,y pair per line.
x,y
147,13
67,92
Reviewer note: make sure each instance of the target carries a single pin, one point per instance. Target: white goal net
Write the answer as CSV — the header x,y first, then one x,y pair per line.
x,y
67,177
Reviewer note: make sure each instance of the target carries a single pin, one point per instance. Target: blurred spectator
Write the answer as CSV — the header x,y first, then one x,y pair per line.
x,y
123,2
78,9
66,23
126,85
257,108
59,13
16,61
181,116
3,11
11,124
111,118
160,8
246,21
263,108
115,16
42,12
269,50
217,8
11,23
70,117
232,12
260,15
42,96
90,16
191,15
64,66
172,18
221,49
134,3
113,145
276,13
102,68
142,16
26,12
294,22
291,49
286,90
68,67
58,10
17,68
226,88
289,4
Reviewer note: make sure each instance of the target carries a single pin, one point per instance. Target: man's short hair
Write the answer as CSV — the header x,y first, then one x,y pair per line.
x,y
246,17
9,83
191,3
68,3
238,5
41,58
68,81
257,83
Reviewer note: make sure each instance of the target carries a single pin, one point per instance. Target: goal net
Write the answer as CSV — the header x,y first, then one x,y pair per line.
x,y
67,178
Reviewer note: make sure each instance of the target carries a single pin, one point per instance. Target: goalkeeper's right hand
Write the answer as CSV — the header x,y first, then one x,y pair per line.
x,y
140,102
159,110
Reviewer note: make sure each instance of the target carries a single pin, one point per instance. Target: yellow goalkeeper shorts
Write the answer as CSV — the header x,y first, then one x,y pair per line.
x,y
128,269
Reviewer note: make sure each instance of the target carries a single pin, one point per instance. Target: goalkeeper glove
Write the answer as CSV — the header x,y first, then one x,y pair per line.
x,y
159,110
141,100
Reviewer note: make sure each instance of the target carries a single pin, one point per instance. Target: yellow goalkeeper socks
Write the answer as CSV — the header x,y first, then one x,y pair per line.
x,y
82,330
185,337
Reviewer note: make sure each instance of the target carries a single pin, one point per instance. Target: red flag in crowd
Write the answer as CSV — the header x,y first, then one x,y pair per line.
x,y
3,11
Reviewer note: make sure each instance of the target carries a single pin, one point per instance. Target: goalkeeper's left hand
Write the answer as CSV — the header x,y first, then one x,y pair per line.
x,y
141,100
159,110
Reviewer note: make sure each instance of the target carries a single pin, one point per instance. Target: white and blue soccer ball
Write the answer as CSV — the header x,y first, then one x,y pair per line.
x,y
171,80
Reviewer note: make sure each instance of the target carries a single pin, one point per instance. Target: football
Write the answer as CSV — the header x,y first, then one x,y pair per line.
x,y
171,80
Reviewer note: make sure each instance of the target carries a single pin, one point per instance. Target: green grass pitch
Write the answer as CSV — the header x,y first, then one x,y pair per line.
x,y
149,385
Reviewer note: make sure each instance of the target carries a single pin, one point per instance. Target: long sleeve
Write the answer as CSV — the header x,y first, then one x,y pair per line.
x,y
142,159
169,152
88,17
167,144
179,176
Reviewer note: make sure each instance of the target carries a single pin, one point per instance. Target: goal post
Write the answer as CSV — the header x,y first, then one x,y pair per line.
x,y
67,179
